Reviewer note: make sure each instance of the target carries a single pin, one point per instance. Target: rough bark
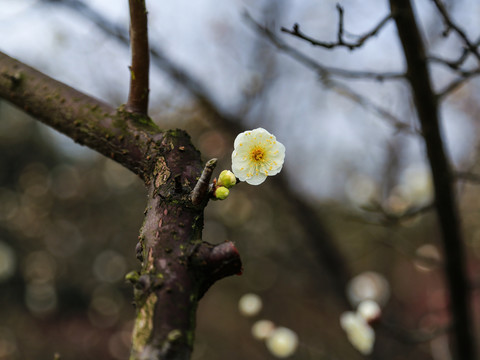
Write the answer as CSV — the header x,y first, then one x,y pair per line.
x,y
177,266
445,199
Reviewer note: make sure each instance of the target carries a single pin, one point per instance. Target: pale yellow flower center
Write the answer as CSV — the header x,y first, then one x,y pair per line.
x,y
257,154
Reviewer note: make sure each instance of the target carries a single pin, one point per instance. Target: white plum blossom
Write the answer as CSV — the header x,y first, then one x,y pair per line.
x,y
359,333
250,304
369,310
263,329
256,155
282,342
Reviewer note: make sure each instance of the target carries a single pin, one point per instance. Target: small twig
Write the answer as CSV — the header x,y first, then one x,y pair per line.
x,y
451,64
138,95
325,73
455,64
455,84
340,24
200,191
341,42
472,48
388,218
320,68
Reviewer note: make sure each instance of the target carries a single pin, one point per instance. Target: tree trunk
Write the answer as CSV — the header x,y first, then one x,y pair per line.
x,y
177,266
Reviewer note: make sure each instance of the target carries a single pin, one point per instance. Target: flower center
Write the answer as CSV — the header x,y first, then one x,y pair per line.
x,y
257,154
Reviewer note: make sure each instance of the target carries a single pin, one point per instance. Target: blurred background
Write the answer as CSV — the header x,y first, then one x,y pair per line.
x,y
349,217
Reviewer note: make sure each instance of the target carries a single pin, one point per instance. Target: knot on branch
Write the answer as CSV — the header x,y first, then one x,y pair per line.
x,y
15,79
214,262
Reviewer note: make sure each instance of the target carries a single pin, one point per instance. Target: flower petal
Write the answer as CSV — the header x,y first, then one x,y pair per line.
x,y
257,179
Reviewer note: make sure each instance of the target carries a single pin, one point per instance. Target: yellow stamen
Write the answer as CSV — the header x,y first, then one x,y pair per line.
x,y
257,154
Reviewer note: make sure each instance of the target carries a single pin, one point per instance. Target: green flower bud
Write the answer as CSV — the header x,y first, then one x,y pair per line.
x,y
227,179
221,193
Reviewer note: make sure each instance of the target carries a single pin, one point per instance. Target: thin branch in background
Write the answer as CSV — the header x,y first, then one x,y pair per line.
x,y
139,70
323,70
325,73
452,65
470,47
387,218
341,42
457,83
445,200
455,64
265,61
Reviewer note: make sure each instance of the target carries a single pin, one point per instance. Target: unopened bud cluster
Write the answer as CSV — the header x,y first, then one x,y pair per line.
x,y
225,181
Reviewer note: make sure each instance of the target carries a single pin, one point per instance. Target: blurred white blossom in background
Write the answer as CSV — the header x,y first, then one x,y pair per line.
x,y
369,310
250,304
263,329
359,333
282,342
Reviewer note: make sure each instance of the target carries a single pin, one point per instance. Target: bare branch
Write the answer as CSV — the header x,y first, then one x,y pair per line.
x,y
325,73
455,84
88,121
455,64
138,95
341,42
451,64
389,218
445,201
472,48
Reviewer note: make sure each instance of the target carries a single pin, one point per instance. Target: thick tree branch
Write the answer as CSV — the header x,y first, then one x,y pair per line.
x,y
341,42
138,95
115,134
445,202
177,269
325,248
171,281
214,262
